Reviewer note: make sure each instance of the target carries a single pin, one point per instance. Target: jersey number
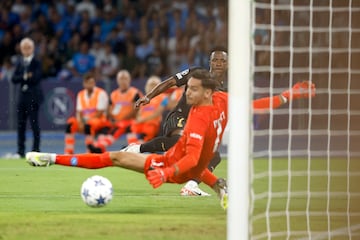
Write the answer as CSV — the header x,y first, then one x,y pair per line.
x,y
219,130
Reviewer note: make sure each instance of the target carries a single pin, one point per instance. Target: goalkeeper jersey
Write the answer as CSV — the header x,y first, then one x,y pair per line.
x,y
200,140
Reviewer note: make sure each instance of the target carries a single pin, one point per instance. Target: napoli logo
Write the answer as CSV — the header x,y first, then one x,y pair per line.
x,y
74,161
60,105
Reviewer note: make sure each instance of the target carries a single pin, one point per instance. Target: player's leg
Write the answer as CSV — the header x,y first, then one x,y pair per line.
x,y
129,160
218,185
132,161
34,123
159,144
172,129
21,128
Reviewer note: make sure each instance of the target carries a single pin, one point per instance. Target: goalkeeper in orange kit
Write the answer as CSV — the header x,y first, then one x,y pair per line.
x,y
176,119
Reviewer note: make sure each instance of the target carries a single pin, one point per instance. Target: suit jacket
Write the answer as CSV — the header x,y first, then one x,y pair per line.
x,y
30,88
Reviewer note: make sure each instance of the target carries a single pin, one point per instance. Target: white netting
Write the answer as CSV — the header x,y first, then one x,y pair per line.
x,y
305,171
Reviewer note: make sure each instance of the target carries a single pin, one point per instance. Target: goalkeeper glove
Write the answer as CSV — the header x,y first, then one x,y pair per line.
x,y
220,187
158,176
304,89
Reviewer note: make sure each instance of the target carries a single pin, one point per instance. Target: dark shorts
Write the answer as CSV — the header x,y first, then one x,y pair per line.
x,y
173,121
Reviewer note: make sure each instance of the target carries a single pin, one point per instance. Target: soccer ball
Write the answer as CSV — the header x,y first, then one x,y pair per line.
x,y
96,191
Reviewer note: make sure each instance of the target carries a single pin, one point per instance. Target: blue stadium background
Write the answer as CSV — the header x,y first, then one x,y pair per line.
x,y
158,37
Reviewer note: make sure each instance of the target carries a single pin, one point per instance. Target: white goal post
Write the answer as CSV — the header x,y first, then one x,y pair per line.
x,y
239,122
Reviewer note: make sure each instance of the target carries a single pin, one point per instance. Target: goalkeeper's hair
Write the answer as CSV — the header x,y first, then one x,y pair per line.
x,y
206,80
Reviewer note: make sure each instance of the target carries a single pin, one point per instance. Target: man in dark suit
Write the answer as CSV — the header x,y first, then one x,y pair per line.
x,y
28,75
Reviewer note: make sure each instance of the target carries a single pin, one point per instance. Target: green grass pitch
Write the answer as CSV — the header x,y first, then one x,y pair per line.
x,y
45,203
323,204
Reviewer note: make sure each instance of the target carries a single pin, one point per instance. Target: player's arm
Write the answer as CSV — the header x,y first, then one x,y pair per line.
x,y
132,114
156,113
160,88
178,80
265,103
304,89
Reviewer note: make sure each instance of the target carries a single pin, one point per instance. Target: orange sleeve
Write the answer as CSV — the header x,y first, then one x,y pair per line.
x,y
264,103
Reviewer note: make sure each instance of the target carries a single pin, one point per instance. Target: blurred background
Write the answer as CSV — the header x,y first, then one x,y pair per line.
x,y
146,37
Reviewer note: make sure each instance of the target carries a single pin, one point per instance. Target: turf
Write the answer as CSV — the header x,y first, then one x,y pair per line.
x,y
315,199
45,203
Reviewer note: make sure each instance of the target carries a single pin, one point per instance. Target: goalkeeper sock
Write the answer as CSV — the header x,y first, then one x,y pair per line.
x,y
212,165
86,160
208,178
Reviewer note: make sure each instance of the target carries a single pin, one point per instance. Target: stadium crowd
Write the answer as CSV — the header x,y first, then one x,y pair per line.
x,y
156,37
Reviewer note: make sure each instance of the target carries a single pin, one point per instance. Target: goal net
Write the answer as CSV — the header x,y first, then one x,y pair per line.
x,y
305,179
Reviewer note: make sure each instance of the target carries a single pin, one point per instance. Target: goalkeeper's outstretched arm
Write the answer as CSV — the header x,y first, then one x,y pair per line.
x,y
304,89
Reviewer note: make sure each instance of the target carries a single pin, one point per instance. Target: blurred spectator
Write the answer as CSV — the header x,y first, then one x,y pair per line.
x,y
107,24
132,27
42,24
155,63
7,70
85,29
39,7
107,64
18,7
172,58
107,5
7,46
129,60
52,61
25,20
121,38
8,19
175,22
97,48
60,26
199,54
17,33
132,22
82,61
145,47
86,5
